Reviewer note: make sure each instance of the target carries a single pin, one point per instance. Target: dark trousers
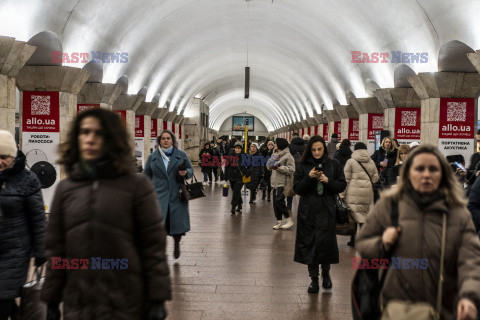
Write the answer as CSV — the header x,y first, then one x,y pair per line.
x,y
314,270
279,204
8,308
207,175
289,202
215,173
236,192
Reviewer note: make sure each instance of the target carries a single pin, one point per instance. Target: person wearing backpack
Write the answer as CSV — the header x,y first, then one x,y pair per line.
x,y
360,172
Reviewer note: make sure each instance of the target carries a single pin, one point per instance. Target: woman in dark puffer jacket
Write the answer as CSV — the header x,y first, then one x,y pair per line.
x,y
22,223
104,210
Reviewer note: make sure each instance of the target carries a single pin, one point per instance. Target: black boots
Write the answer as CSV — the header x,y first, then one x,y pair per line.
x,y
268,198
233,210
264,196
326,280
314,288
239,208
176,249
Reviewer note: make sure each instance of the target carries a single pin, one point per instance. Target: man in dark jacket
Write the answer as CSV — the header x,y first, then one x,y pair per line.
x,y
22,228
234,173
332,145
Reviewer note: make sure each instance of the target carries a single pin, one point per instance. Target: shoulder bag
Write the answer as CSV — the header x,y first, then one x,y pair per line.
x,y
407,310
32,307
191,191
367,285
375,186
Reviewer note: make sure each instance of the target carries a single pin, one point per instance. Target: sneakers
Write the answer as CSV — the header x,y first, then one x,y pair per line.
x,y
278,225
288,222
313,287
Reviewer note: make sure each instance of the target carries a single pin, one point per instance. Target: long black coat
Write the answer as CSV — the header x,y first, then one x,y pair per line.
x,y
22,228
235,168
316,241
343,154
205,156
255,170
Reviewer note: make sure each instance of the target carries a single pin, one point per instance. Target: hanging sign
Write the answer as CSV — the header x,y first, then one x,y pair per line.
x,y
41,138
353,129
153,135
375,123
407,125
457,127
84,106
337,128
325,132
140,139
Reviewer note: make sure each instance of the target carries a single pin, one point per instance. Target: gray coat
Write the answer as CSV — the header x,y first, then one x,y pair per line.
x,y
286,168
167,186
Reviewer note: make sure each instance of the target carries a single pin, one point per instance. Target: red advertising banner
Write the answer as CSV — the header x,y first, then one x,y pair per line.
x,y
309,131
179,131
165,125
123,116
353,129
173,128
457,119
375,123
154,128
316,130
82,107
41,111
325,132
338,129
407,123
139,126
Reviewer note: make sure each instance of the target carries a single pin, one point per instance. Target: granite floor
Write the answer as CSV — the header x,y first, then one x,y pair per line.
x,y
237,267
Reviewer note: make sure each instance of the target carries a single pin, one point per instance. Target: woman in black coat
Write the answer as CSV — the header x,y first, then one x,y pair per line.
x,y
344,153
267,152
234,172
255,171
317,180
22,224
205,158
385,158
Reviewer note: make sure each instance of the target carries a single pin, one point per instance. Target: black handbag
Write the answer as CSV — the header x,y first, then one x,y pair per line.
x,y
31,307
341,210
194,190
367,285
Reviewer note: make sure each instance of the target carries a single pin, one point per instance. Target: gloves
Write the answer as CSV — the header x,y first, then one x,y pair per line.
x,y
183,166
52,312
157,311
39,261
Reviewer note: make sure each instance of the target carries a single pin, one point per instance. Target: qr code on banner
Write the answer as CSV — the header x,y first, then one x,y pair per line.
x,y
377,122
40,105
137,123
456,111
409,118
356,126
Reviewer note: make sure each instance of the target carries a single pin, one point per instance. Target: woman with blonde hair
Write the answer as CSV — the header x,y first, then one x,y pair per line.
x,y
385,158
434,226
403,152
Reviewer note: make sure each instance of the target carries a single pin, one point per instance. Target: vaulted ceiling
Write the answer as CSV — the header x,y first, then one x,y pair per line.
x,y
299,51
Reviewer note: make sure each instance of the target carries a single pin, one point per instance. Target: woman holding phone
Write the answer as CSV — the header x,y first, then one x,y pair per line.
x,y
317,180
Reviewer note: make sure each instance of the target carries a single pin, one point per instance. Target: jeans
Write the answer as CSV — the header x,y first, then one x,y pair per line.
x,y
279,204
207,176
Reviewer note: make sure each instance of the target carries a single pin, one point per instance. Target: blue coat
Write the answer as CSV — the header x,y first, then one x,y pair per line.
x,y
166,187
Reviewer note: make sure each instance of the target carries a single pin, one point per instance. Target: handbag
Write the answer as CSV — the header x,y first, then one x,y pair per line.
x,y
31,307
347,229
376,187
367,285
341,210
194,190
288,190
406,310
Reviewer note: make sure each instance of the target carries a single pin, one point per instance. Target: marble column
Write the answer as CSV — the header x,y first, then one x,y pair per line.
x,y
333,122
68,81
348,113
128,104
369,111
432,88
391,99
13,56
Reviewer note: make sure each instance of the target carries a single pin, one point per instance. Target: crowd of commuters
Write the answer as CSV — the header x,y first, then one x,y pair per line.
x,y
105,208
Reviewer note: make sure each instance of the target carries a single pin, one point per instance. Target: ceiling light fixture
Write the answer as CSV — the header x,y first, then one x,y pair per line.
x,y
247,68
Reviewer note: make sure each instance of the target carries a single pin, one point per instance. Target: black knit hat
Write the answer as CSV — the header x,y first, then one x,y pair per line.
x,y
360,146
281,143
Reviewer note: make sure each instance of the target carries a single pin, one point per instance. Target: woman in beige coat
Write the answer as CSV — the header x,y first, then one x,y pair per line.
x,y
359,192
427,196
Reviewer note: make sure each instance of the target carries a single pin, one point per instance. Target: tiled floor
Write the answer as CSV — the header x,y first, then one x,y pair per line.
x,y
237,267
